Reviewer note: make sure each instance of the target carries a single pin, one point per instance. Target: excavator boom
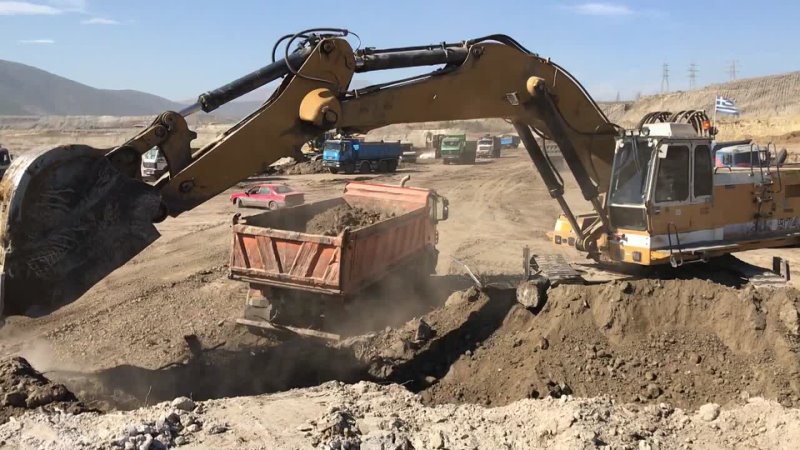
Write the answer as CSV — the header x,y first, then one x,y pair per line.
x,y
73,214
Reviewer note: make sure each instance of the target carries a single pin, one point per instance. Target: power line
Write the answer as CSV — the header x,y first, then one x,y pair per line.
x,y
693,75
665,78
732,69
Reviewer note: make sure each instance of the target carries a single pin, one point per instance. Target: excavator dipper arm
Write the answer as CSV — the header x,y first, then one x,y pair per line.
x,y
71,215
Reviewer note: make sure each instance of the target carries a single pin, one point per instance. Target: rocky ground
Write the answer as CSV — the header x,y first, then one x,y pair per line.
x,y
368,416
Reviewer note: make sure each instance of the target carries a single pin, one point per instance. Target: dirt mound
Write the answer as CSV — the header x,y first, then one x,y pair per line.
x,y
23,388
333,221
687,342
300,168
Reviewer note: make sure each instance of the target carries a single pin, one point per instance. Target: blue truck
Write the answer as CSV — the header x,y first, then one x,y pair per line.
x,y
350,155
509,141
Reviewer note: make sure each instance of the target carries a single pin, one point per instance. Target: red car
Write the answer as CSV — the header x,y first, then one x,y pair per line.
x,y
270,196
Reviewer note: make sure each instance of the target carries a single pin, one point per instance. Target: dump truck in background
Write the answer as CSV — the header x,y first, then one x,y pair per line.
x,y
408,153
509,141
297,277
154,164
456,149
349,155
488,147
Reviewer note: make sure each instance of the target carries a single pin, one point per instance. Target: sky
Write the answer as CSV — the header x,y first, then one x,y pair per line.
x,y
180,48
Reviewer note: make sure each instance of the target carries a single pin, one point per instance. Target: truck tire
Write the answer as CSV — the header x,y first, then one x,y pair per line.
x,y
393,166
383,166
333,170
364,167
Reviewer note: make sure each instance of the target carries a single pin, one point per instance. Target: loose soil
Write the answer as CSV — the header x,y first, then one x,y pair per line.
x,y
687,342
333,221
302,168
23,388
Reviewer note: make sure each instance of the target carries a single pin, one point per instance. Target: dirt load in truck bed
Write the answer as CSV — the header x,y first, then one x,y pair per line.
x,y
333,221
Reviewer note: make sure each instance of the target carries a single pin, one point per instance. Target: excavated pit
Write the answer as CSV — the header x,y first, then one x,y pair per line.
x,y
683,342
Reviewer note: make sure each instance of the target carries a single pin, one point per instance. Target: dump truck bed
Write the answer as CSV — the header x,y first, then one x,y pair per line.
x,y
275,249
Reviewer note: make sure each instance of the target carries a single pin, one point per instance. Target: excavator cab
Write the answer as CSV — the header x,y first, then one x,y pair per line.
x,y
661,185
661,188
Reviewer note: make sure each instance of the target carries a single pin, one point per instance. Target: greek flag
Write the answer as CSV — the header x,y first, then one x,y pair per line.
x,y
726,106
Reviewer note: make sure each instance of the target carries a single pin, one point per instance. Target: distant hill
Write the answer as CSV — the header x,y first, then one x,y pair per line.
x,y
757,98
26,90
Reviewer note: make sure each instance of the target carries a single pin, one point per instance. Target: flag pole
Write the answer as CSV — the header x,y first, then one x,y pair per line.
x,y
714,115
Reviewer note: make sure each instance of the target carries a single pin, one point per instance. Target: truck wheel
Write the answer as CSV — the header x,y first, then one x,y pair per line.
x,y
364,167
383,166
393,166
333,170
349,168
272,205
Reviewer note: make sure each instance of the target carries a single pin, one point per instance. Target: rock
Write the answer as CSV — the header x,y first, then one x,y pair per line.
x,y
790,318
649,376
183,403
148,441
532,294
129,445
429,380
694,358
709,411
49,394
217,429
437,440
544,344
180,440
145,429
626,287
653,391
193,428
424,332
15,398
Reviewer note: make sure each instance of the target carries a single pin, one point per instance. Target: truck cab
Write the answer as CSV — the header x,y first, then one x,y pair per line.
x,y
489,147
154,164
455,148
737,156
351,154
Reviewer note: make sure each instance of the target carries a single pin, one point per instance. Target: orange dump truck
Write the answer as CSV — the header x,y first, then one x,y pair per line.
x,y
297,277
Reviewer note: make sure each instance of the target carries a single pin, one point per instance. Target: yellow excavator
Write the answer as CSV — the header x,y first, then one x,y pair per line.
x,y
72,214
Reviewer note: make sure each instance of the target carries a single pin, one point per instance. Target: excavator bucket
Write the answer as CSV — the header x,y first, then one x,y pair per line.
x,y
68,218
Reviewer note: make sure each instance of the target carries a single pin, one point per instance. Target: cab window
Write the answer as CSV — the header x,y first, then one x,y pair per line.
x,y
672,183
703,175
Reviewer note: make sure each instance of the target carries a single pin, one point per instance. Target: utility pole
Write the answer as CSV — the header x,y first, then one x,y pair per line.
x,y
665,78
617,96
693,76
732,70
